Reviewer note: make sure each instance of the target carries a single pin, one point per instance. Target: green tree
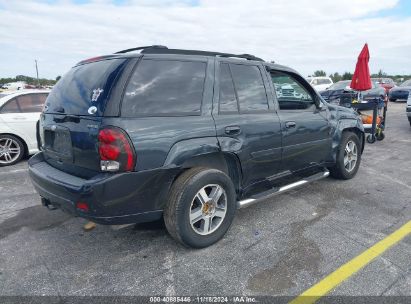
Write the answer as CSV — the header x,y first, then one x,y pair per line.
x,y
336,77
320,73
58,78
347,76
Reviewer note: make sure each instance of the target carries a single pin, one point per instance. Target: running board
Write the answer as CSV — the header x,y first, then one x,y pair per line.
x,y
250,201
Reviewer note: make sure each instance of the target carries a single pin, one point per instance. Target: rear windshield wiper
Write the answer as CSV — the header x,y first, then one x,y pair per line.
x,y
59,109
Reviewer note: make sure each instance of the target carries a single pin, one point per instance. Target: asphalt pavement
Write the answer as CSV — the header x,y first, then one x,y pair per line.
x,y
281,246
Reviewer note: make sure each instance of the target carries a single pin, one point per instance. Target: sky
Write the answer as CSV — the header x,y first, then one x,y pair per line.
x,y
306,35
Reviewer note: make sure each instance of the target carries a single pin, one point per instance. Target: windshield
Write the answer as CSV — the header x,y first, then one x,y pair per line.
x,y
341,85
85,86
406,83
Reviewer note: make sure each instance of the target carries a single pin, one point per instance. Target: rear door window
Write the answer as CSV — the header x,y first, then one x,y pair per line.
x,y
31,103
228,101
85,86
165,87
250,88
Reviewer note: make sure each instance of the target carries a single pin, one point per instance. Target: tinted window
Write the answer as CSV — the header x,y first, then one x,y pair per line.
x,y
30,103
323,81
291,94
250,87
228,101
10,107
160,87
84,86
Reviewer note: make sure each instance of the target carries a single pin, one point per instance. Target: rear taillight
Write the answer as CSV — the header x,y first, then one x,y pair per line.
x,y
116,152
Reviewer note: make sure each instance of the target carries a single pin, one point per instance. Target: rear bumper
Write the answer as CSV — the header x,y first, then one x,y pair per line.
x,y
121,198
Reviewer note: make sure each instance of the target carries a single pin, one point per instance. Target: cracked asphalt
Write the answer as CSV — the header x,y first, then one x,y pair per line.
x,y
281,246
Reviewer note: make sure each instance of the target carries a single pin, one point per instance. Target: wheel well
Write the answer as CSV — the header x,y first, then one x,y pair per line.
x,y
360,135
26,148
225,162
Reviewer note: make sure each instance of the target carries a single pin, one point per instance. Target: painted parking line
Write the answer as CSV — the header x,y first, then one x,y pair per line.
x,y
334,279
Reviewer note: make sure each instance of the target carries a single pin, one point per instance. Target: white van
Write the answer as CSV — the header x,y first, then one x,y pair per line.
x,y
320,83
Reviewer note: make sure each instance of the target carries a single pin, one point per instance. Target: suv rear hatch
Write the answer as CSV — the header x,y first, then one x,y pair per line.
x,y
73,113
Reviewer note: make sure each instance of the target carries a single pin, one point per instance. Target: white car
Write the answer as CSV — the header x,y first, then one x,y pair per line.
x,y
19,113
320,83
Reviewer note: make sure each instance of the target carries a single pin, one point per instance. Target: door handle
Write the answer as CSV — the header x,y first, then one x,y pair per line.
x,y
232,130
290,124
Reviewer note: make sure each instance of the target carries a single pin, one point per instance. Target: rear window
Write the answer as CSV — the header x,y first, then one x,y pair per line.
x,y
323,81
85,86
165,87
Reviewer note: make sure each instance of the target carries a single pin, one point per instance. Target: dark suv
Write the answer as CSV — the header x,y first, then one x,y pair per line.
x,y
186,135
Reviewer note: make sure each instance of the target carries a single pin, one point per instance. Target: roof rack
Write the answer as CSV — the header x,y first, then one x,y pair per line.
x,y
160,49
141,48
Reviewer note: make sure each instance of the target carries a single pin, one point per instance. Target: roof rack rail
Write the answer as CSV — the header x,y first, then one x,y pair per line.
x,y
141,48
245,56
161,49
195,52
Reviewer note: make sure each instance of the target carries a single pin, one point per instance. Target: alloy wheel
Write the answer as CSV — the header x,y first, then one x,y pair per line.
x,y
9,150
208,209
350,156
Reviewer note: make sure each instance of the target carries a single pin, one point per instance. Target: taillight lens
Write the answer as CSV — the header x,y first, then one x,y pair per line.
x,y
116,152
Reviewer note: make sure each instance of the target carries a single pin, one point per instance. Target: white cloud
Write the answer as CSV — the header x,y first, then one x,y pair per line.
x,y
304,34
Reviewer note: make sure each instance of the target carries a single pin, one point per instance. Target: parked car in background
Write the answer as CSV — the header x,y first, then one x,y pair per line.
x,y
18,85
320,83
186,135
333,93
19,113
386,83
401,92
408,109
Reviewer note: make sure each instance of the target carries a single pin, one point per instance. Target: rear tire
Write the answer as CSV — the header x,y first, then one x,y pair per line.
x,y
348,157
201,207
11,150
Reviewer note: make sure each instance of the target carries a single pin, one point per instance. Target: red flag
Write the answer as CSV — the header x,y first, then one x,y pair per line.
x,y
361,80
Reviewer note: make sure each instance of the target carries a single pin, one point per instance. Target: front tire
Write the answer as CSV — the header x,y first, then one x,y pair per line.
x,y
201,207
11,150
348,157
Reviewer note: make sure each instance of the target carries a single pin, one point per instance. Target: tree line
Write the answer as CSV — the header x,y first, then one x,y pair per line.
x,y
348,76
30,80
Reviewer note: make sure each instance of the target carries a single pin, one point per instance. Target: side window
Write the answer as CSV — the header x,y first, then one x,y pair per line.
x,y
10,107
291,94
250,88
31,103
161,87
228,100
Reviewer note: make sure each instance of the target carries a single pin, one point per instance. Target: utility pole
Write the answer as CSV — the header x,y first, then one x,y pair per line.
x,y
37,72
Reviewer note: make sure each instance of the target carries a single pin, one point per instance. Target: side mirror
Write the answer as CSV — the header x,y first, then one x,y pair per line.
x,y
319,105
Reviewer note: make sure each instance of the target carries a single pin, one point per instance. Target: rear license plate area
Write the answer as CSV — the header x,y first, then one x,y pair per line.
x,y
57,143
